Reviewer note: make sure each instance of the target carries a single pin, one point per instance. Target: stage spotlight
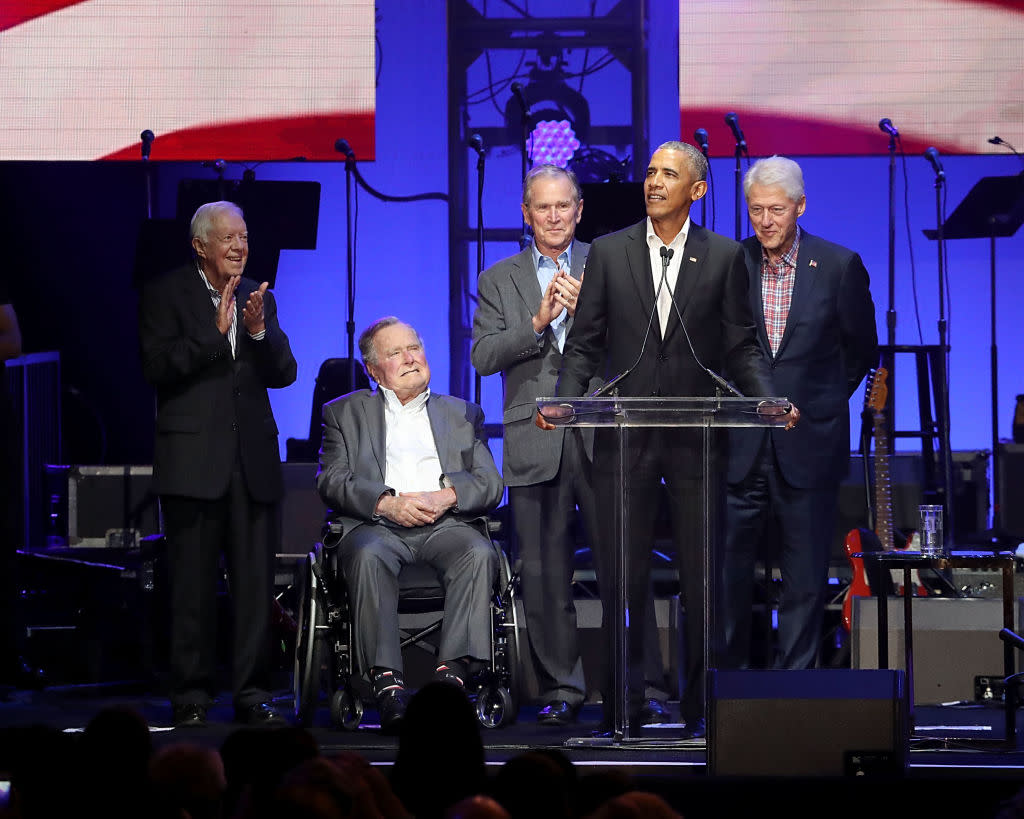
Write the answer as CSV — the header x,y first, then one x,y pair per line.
x,y
557,116
552,143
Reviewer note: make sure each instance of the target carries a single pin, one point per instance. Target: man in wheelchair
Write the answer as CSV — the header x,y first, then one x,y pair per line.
x,y
404,471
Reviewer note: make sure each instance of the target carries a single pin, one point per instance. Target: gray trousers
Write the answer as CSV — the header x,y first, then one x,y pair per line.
x,y
373,554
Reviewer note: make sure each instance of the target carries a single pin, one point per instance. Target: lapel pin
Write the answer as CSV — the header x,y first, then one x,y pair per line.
x,y
812,263
693,258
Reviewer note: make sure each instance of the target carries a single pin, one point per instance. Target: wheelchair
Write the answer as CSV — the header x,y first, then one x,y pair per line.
x,y
325,656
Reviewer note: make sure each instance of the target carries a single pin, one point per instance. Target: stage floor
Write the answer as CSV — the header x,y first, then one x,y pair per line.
x,y
966,739
949,773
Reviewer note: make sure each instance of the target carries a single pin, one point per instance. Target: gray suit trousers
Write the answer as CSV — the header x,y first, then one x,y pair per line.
x,y
372,555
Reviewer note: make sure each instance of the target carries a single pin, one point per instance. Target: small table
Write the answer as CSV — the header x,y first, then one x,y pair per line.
x,y
908,561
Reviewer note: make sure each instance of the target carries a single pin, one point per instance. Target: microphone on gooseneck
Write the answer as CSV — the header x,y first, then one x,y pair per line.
x,y
932,155
666,257
721,382
996,140
886,127
700,136
733,122
147,138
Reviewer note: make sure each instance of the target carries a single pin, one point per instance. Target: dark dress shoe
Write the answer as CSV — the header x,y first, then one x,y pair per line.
x,y
189,715
391,705
695,729
654,712
557,712
262,713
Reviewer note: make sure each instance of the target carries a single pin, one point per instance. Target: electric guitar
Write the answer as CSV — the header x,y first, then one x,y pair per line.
x,y
862,540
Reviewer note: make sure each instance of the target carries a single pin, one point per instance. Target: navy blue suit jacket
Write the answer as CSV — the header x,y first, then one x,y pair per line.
x,y
829,344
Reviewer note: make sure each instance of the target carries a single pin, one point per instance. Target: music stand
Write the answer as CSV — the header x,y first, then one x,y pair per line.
x,y
992,209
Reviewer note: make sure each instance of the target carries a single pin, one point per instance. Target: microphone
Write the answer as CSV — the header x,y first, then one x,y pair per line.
x,y
700,136
147,138
1000,141
666,257
342,147
932,155
733,122
216,164
517,91
885,126
476,142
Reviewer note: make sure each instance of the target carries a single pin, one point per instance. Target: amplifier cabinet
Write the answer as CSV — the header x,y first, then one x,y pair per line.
x,y
100,506
955,640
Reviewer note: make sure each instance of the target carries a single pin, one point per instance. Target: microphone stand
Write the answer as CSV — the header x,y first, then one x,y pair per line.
x,y
350,324
147,144
944,447
524,135
704,199
890,315
739,189
480,161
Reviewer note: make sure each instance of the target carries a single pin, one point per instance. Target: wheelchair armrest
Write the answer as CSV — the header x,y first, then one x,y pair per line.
x,y
331,533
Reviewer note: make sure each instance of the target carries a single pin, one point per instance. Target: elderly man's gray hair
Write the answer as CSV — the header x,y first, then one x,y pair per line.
x,y
776,170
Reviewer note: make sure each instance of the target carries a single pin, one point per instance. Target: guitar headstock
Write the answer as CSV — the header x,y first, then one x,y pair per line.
x,y
876,391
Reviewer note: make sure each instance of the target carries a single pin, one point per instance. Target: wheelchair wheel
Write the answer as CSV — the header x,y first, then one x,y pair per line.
x,y
494,706
309,652
346,709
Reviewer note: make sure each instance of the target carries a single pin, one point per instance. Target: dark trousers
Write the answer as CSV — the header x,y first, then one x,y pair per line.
x,y
543,515
806,520
372,555
247,534
654,456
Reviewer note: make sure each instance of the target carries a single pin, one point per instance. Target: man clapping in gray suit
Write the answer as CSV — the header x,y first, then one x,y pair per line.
x,y
526,306
404,470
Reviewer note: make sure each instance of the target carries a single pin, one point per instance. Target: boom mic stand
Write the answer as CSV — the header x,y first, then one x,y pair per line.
x,y
477,143
700,136
526,126
147,138
944,448
343,147
886,126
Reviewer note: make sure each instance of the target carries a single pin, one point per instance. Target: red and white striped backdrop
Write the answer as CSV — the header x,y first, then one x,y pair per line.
x,y
231,79
816,77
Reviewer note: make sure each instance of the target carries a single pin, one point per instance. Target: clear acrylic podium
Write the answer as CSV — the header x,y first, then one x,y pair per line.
x,y
624,413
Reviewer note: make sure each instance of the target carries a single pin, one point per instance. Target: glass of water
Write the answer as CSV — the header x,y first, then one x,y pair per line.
x,y
930,531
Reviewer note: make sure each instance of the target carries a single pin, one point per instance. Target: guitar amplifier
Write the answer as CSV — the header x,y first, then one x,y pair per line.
x,y
955,640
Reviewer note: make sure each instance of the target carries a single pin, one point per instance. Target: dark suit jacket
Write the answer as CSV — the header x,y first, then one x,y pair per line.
x,y
208,403
616,303
352,456
828,346
503,340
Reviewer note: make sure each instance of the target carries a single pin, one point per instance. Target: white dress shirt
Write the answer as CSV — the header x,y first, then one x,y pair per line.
x,y
411,462
654,246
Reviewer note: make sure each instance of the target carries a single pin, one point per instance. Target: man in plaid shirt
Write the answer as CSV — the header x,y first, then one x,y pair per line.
x,y
816,325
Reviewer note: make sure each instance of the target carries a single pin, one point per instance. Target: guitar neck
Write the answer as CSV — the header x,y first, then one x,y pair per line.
x,y
883,484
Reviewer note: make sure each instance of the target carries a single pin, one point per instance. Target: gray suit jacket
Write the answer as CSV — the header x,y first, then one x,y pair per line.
x,y
504,341
353,451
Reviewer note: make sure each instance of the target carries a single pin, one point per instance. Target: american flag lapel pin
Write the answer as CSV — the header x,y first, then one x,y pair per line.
x,y
813,263
693,259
